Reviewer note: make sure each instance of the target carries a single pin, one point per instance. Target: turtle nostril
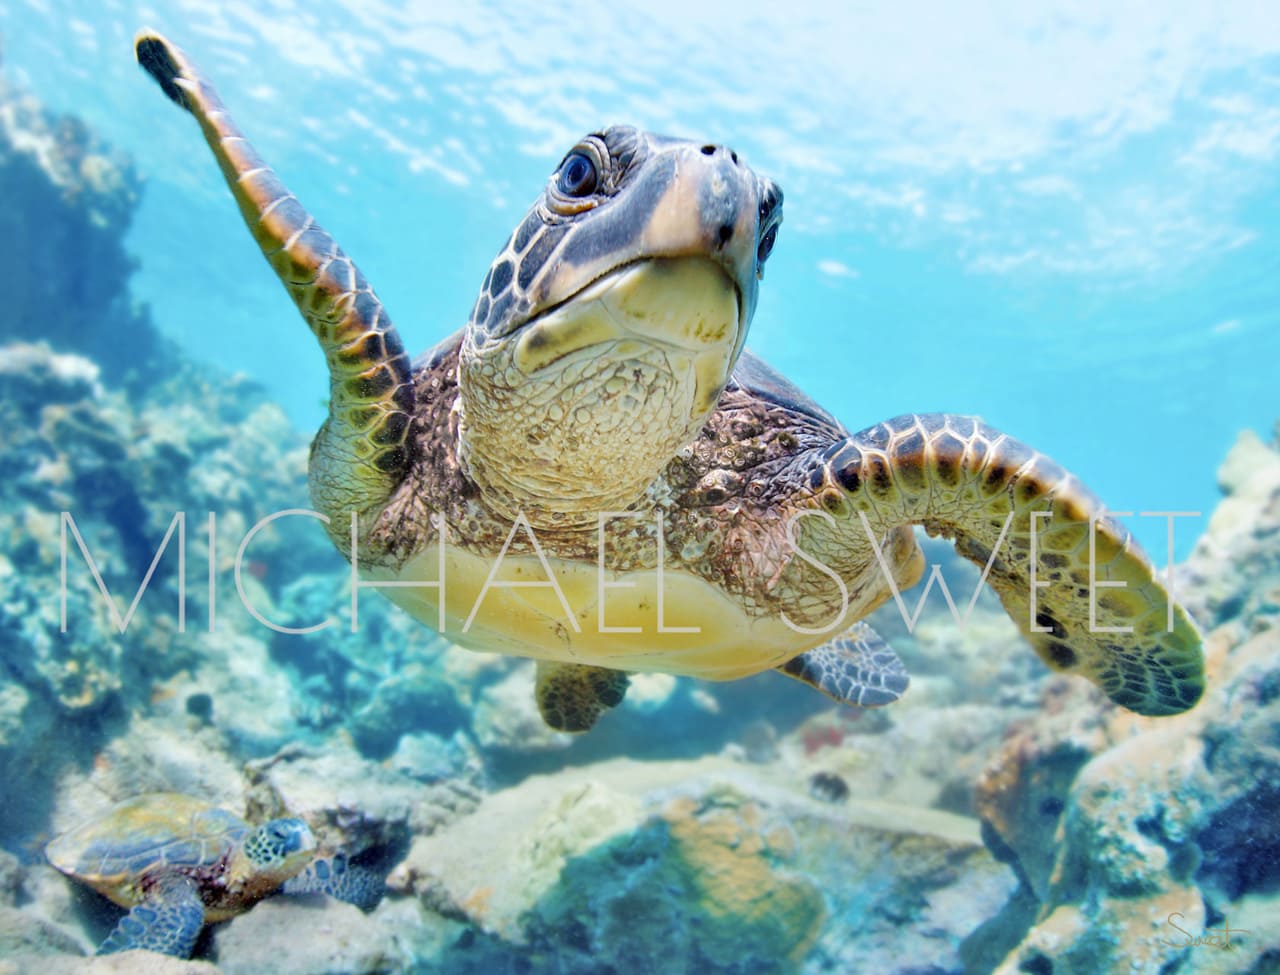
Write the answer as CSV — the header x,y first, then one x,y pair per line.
x,y
725,233
708,150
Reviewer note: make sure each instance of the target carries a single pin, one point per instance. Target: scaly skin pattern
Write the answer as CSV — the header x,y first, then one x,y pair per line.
x,y
1079,588
722,502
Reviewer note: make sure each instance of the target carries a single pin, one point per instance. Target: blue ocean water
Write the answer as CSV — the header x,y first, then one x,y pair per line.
x,y
1063,219
1060,218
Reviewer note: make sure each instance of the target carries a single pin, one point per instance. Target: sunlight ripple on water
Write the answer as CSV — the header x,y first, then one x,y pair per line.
x,y
1060,219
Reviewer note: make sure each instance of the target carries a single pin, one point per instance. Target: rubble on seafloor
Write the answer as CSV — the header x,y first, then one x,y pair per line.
x,y
735,828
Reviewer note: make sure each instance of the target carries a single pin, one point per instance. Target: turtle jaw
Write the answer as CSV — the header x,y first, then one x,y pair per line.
x,y
687,307
579,409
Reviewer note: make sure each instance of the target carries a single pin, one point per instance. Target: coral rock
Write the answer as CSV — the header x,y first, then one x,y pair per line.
x,y
306,936
353,804
124,963
705,866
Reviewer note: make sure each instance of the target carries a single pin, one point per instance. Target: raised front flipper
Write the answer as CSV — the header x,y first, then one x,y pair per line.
x,y
1095,607
856,668
364,448
572,696
168,921
339,878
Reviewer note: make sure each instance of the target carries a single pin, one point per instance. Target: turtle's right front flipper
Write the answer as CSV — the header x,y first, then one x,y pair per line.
x,y
168,921
1073,580
364,447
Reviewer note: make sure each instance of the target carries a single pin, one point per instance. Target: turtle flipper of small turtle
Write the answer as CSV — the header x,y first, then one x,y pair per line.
x,y
339,878
857,668
168,921
572,696
1096,608
364,448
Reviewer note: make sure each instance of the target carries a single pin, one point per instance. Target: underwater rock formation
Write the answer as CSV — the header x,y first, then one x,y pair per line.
x,y
707,866
1164,830
22,932
308,936
62,245
1234,570
416,698
121,473
353,804
125,963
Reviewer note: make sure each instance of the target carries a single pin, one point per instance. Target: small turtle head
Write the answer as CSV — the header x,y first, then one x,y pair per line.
x,y
608,326
274,852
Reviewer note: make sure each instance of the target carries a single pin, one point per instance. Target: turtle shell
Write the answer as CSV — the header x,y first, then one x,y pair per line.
x,y
163,830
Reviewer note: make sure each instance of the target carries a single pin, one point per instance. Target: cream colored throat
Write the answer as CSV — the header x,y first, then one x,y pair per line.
x,y
689,306
578,411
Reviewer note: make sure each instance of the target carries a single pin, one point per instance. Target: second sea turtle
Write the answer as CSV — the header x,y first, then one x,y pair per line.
x,y
179,862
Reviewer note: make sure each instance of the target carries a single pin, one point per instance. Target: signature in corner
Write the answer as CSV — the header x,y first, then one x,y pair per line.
x,y
1212,937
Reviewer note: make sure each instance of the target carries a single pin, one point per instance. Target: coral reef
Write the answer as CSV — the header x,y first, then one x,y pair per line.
x,y
701,828
66,266
702,866
352,803
121,474
1164,831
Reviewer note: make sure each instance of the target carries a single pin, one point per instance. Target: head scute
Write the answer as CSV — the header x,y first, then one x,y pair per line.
x,y
279,841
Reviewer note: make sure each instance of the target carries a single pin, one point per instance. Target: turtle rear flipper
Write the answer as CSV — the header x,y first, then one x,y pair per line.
x,y
339,878
168,921
1093,606
571,697
856,668
364,448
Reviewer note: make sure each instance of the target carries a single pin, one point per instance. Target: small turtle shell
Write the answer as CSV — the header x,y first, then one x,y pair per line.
x,y
113,852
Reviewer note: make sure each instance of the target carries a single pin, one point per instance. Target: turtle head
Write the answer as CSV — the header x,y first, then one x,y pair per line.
x,y
609,324
271,854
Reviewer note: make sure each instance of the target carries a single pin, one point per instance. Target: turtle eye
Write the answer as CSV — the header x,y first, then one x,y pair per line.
x,y
765,247
578,176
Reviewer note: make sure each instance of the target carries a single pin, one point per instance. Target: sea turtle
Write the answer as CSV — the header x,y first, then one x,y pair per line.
x,y
179,862
594,473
